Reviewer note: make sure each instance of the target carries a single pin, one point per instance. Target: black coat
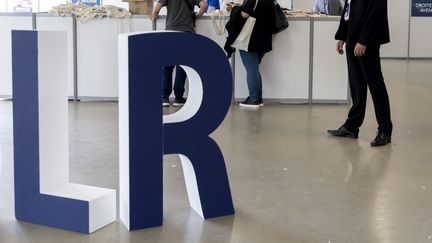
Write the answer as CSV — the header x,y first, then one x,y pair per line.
x,y
367,25
261,38
234,27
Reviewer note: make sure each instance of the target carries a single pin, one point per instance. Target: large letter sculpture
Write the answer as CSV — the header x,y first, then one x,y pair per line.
x,y
43,194
145,136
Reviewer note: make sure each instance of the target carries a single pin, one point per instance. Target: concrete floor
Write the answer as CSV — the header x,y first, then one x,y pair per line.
x,y
291,183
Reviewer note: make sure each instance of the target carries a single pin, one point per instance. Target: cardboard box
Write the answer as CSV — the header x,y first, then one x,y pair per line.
x,y
140,6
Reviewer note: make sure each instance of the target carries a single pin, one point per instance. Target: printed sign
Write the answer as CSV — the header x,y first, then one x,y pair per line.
x,y
421,8
88,2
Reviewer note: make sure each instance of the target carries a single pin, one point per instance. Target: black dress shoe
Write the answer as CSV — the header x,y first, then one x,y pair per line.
x,y
380,140
343,132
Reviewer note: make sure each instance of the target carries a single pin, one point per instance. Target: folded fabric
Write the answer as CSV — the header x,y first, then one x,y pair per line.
x,y
85,12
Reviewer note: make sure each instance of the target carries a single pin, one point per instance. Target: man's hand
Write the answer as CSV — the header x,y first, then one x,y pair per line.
x,y
202,8
339,47
155,14
229,6
359,50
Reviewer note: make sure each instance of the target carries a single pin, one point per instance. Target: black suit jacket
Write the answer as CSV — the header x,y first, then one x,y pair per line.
x,y
367,25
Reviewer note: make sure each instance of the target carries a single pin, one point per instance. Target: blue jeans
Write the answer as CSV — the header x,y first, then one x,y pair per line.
x,y
180,80
251,62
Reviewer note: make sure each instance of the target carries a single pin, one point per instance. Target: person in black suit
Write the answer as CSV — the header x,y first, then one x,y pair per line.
x,y
364,28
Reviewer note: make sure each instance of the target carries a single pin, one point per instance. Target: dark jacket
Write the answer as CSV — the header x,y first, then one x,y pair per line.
x,y
367,24
261,38
234,27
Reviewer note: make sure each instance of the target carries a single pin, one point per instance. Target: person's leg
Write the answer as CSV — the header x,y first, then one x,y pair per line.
x,y
358,89
167,85
251,62
260,57
180,79
371,67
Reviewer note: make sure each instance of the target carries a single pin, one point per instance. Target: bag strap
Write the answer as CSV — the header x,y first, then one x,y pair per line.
x,y
256,4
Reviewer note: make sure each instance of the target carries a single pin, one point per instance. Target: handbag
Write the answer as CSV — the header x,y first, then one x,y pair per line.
x,y
243,39
281,22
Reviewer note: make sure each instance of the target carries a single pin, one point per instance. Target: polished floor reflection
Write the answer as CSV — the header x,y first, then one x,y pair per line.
x,y
291,183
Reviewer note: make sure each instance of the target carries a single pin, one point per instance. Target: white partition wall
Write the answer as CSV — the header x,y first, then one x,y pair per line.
x,y
9,22
398,11
421,38
305,5
330,79
285,70
160,23
54,22
290,73
3,7
46,5
97,63
285,3
140,23
118,3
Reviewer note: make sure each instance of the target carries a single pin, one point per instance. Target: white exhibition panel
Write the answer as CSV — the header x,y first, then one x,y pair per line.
x,y
45,6
139,23
9,22
421,38
305,5
97,65
97,45
285,3
49,22
118,3
3,6
160,23
330,79
53,134
285,70
398,11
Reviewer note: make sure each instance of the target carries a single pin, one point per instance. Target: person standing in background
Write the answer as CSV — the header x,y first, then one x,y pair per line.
x,y
260,43
364,28
180,17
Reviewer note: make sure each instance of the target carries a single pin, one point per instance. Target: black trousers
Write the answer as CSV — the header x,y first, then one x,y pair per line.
x,y
363,72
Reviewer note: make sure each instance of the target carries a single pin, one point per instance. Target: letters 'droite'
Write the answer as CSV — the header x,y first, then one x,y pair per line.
x,y
43,193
